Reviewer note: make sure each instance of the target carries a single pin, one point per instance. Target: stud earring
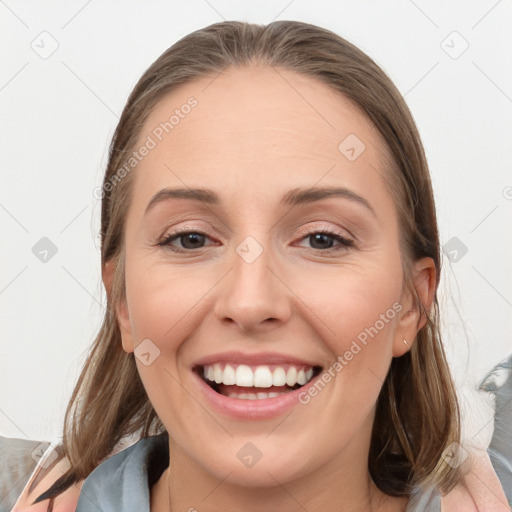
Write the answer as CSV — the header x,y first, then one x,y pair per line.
x,y
405,341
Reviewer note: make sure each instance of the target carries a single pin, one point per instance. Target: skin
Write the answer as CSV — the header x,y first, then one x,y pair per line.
x,y
251,139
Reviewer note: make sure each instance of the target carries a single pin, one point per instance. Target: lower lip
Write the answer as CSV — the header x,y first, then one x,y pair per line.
x,y
263,408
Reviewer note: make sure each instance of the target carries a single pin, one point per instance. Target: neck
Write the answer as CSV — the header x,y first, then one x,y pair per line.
x,y
343,480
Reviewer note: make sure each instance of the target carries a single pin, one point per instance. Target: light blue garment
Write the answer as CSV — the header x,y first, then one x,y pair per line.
x,y
425,501
122,482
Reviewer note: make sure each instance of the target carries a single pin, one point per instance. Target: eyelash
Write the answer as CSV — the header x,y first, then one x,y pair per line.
x,y
345,243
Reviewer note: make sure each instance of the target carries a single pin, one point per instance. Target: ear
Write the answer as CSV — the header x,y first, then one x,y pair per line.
x,y
413,318
121,308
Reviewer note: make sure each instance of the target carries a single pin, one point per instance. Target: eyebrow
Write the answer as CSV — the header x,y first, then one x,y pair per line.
x,y
293,197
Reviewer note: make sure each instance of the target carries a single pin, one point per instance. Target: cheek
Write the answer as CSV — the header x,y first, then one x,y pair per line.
x,y
161,301
359,308
357,311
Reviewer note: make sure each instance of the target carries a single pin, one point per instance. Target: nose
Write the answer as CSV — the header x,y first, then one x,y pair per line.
x,y
254,297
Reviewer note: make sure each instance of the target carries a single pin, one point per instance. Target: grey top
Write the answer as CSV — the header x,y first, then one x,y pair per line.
x,y
17,463
499,382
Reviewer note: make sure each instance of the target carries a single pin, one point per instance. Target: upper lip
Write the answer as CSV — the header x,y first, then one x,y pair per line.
x,y
261,358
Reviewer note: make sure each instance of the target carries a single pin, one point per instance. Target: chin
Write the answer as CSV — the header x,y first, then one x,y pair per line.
x,y
265,472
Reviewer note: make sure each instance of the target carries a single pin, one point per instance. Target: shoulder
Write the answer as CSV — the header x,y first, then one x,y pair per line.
x,y
18,459
29,469
123,481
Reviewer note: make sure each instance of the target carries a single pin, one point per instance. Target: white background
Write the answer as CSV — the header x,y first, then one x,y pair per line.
x,y
59,112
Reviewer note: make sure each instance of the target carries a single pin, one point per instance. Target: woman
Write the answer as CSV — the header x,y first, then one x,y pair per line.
x,y
271,258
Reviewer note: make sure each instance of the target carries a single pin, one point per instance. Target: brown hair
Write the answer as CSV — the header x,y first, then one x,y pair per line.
x,y
417,414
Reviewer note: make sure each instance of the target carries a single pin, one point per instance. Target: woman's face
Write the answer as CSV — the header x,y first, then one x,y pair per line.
x,y
256,288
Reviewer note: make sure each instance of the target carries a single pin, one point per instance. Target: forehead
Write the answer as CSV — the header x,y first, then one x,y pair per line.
x,y
257,125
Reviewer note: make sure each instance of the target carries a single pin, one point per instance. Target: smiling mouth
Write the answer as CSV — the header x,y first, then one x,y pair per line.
x,y
256,382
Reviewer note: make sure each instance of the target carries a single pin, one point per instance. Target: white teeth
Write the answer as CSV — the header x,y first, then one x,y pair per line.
x,y
244,376
279,377
291,376
219,374
229,376
256,396
262,377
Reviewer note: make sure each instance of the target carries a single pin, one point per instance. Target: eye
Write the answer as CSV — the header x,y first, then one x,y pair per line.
x,y
320,239
189,240
324,239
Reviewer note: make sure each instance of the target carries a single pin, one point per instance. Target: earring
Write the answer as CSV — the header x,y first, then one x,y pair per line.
x,y
405,341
